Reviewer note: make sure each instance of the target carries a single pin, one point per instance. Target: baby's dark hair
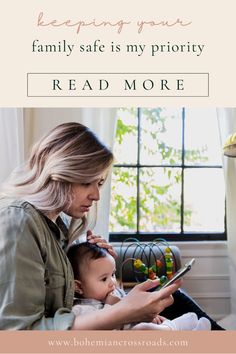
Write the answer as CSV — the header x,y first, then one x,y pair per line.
x,y
79,252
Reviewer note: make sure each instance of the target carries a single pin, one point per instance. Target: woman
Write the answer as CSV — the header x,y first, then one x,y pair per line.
x,y
64,173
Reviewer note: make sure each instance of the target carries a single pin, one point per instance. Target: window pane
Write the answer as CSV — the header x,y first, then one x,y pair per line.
x,y
204,200
202,140
155,184
160,191
161,134
125,149
123,200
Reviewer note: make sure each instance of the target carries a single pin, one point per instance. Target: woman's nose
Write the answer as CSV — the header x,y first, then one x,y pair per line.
x,y
95,194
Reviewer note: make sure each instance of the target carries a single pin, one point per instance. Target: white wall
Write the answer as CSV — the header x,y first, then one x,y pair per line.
x,y
39,121
208,282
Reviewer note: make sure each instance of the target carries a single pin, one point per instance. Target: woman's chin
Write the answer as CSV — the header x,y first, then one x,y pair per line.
x,y
77,215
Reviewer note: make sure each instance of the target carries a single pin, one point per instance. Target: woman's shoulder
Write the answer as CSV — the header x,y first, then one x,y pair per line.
x,y
19,211
16,204
19,219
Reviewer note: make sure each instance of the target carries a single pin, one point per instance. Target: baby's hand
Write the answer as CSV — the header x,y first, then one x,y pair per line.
x,y
112,299
158,319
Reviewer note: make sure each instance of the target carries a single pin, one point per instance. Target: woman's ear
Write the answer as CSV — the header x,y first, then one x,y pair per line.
x,y
78,287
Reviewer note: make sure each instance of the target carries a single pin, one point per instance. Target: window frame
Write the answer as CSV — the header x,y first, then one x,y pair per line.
x,y
169,236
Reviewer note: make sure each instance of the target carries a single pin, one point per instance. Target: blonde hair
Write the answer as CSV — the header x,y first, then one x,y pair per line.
x,y
69,153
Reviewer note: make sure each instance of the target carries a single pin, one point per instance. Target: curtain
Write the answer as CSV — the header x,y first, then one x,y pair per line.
x,y
102,121
227,126
11,140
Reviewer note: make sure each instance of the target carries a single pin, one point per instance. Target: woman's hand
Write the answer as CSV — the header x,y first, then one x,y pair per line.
x,y
101,242
145,306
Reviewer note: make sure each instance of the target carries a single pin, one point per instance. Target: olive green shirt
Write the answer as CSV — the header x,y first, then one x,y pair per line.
x,y
36,279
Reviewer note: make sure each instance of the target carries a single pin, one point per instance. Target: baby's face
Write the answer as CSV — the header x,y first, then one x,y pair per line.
x,y
99,279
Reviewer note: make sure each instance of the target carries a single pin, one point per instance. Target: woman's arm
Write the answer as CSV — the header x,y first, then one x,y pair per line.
x,y
22,275
138,305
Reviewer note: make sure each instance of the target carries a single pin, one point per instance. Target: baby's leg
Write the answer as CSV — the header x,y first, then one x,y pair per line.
x,y
188,321
203,325
146,326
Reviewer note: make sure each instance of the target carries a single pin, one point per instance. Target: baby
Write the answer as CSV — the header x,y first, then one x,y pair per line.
x,y
95,287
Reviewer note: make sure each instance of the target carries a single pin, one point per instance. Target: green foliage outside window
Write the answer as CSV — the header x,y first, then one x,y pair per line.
x,y
153,171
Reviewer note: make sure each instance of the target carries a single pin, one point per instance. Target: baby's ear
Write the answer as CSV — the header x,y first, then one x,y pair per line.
x,y
78,287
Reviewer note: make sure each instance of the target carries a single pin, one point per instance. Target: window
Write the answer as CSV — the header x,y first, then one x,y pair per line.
x,y
168,180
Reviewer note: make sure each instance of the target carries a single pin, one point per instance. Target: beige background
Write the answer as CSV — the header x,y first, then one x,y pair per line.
x,y
213,25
